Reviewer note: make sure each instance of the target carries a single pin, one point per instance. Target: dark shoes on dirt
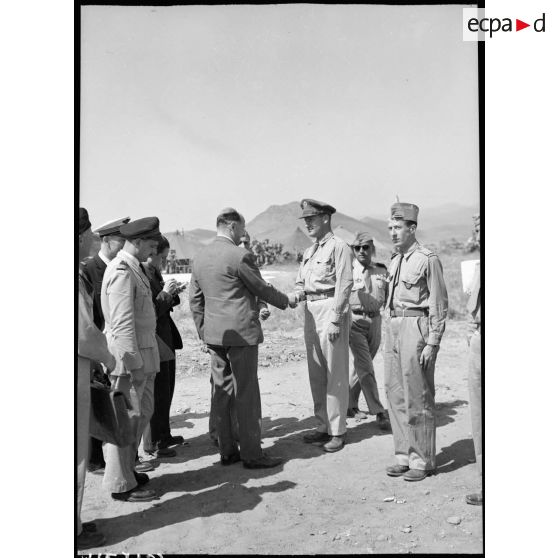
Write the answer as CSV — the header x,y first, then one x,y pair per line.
x,y
90,539
396,470
227,460
382,419
474,499
356,413
263,462
135,495
141,478
413,475
162,452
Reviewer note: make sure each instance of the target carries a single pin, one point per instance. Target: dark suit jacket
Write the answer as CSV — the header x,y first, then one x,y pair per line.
x,y
94,269
164,303
223,289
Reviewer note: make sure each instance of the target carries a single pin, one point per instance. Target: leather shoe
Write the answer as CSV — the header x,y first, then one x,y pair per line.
x,y
396,470
171,441
88,539
134,495
356,413
162,452
230,459
335,444
474,499
383,422
263,462
143,466
89,526
414,475
141,478
316,436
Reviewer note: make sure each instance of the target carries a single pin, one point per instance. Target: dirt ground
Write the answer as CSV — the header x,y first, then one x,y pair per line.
x,y
315,502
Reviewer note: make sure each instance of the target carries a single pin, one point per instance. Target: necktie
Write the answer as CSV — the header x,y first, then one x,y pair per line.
x,y
395,281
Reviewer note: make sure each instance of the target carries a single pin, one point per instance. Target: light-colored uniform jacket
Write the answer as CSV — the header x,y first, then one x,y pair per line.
x,y
130,319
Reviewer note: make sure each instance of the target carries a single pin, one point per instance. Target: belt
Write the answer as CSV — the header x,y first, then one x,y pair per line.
x,y
319,296
408,313
364,313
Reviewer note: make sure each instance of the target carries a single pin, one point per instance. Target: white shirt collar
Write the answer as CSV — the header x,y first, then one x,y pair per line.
x,y
104,258
227,237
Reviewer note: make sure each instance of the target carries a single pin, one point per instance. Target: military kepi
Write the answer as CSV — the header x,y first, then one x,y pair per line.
x,y
405,211
362,239
314,207
112,227
146,228
84,222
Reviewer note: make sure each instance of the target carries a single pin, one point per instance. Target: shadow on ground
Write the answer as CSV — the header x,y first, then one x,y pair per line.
x,y
446,410
451,458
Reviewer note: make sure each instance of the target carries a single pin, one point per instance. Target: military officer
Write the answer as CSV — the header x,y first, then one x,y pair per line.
x,y
475,368
94,268
416,308
130,329
367,299
324,280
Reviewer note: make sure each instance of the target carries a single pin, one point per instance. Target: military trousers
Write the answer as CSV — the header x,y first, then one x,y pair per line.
x,y
364,341
410,393
158,428
475,395
234,371
119,469
82,430
328,366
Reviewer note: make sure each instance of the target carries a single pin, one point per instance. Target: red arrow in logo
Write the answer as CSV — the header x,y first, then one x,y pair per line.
x,y
519,25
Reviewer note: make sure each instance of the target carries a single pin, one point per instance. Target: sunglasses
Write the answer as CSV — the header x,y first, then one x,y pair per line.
x,y
359,248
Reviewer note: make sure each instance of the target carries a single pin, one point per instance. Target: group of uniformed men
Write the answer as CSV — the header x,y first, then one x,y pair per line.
x,y
344,294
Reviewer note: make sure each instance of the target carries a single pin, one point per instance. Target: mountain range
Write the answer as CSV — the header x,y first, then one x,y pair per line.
x,y
281,223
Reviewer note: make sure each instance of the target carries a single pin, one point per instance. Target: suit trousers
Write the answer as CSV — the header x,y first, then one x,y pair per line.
x,y
119,469
410,393
235,377
158,428
328,366
364,341
213,417
475,395
82,432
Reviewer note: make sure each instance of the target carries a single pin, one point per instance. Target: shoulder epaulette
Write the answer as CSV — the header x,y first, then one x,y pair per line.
x,y
425,251
122,266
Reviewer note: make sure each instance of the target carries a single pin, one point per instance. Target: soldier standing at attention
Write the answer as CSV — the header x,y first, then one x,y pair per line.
x,y
324,280
130,329
417,307
367,299
475,369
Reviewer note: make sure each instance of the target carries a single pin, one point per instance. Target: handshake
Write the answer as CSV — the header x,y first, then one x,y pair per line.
x,y
295,298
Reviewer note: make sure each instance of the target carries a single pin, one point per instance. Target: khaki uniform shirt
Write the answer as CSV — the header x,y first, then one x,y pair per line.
x,y
327,266
369,292
130,319
416,282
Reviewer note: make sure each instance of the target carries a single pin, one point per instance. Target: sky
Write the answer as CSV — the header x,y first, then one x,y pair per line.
x,y
189,109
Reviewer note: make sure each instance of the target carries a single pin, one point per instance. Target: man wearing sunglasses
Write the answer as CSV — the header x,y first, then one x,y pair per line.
x,y
417,307
367,299
324,280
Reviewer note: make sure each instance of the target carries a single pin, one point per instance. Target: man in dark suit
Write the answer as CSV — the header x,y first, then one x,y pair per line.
x,y
94,269
224,289
157,435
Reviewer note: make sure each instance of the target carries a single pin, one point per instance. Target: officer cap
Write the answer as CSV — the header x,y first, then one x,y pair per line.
x,y
363,238
405,211
314,207
84,222
146,228
112,227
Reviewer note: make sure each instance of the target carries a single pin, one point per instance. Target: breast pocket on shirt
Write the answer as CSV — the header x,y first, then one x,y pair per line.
x,y
323,267
411,286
